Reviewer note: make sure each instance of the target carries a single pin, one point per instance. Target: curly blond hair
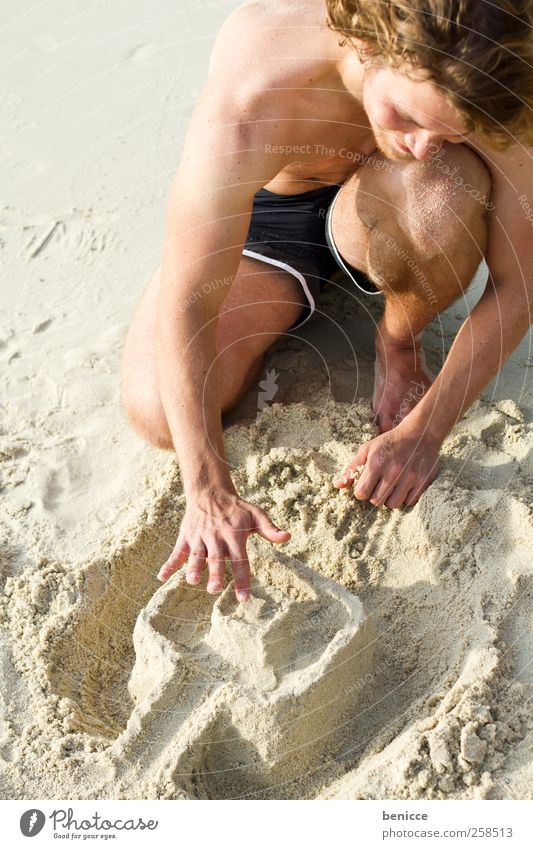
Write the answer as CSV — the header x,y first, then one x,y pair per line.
x,y
479,52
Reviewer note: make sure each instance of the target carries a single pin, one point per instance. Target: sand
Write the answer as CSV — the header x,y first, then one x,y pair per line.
x,y
384,654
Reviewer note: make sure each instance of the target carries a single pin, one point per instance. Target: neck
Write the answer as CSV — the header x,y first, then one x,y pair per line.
x,y
351,71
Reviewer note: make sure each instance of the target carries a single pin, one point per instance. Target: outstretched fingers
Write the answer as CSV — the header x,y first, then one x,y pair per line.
x,y
216,563
215,548
266,528
240,566
178,557
196,563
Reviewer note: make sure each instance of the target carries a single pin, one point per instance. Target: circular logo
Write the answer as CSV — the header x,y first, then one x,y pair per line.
x,y
32,822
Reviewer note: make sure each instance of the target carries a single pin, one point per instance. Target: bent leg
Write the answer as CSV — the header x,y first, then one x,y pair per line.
x,y
421,236
261,304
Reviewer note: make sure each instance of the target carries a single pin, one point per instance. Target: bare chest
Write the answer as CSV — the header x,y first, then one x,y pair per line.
x,y
322,150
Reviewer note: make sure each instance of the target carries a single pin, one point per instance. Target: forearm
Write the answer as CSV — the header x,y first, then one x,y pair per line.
x,y
190,392
186,346
484,342
207,220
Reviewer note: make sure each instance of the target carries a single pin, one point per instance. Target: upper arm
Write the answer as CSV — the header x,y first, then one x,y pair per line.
x,y
510,227
226,158
226,149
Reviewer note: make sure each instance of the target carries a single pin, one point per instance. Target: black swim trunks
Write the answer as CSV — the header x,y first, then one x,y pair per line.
x,y
293,233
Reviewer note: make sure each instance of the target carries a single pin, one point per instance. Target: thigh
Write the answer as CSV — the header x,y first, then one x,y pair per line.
x,y
262,303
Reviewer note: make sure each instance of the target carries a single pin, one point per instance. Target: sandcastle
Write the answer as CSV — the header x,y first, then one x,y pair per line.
x,y
233,695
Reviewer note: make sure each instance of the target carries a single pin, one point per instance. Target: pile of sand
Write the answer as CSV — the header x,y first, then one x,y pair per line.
x,y
384,653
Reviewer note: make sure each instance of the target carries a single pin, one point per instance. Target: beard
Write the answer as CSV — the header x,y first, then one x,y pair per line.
x,y
386,146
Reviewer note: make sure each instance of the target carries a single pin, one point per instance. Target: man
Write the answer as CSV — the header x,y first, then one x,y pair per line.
x,y
425,120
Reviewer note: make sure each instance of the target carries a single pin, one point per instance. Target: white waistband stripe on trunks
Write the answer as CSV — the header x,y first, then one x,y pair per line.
x,y
333,248
285,267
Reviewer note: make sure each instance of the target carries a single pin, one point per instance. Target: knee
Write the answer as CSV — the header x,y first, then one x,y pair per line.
x,y
447,202
146,415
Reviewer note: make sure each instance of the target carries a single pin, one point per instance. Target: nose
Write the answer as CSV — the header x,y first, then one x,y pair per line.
x,y
422,144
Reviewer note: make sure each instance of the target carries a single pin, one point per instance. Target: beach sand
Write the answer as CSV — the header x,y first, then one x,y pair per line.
x,y
385,654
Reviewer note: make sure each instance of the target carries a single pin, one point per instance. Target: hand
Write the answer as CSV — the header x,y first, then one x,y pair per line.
x,y
398,467
215,528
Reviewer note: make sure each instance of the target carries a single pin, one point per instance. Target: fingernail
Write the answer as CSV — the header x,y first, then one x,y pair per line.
x,y
213,588
242,595
161,575
194,578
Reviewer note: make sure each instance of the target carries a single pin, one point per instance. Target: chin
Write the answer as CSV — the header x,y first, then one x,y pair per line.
x,y
388,148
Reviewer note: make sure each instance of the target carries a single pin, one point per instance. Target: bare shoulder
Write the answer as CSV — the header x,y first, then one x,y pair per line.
x,y
265,45
261,75
511,183
509,169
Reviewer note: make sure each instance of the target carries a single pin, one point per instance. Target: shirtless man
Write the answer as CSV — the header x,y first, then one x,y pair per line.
x,y
434,160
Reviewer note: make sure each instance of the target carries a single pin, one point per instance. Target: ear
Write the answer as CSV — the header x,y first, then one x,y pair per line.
x,y
366,52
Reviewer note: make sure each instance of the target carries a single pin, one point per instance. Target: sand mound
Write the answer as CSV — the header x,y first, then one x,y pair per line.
x,y
383,654
245,696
